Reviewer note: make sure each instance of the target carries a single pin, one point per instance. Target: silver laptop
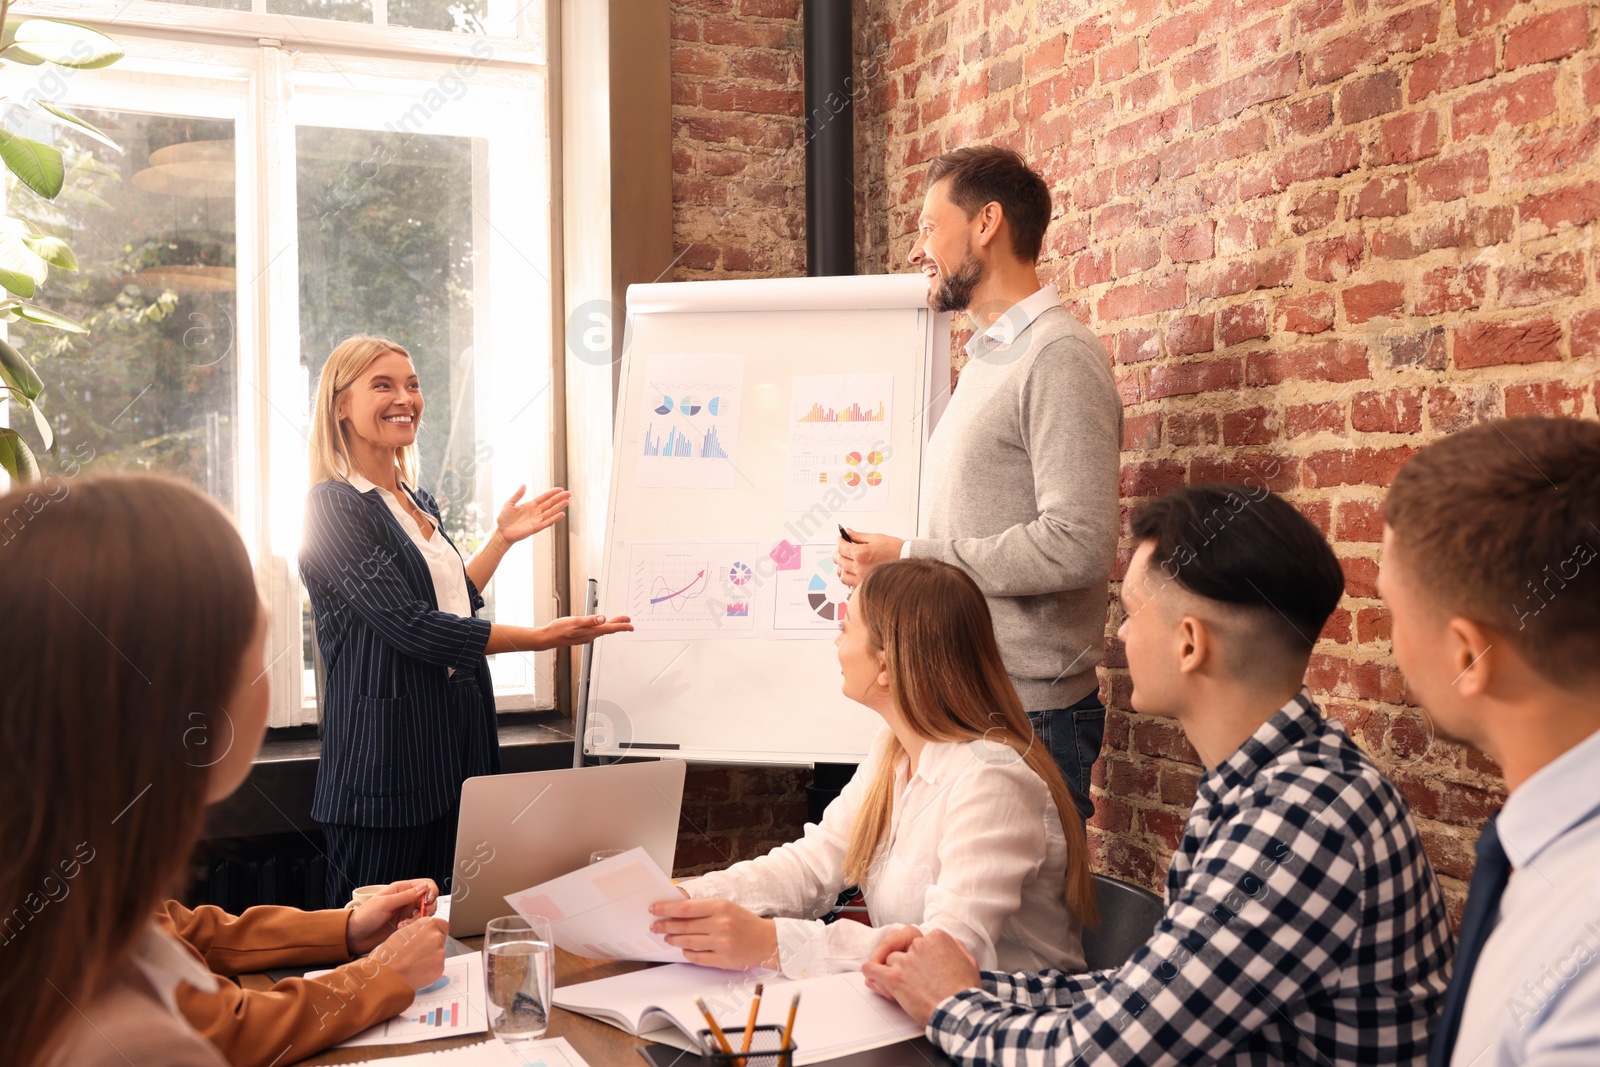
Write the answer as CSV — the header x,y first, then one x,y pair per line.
x,y
517,830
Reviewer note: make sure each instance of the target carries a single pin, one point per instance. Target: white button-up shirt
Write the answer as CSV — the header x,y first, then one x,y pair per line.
x,y
975,848
1535,994
444,562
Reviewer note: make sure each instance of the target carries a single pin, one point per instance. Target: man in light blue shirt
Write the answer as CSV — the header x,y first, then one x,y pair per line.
x,y
1491,569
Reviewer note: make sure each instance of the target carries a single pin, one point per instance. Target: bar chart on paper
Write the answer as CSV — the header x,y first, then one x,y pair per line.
x,y
839,442
451,1006
691,421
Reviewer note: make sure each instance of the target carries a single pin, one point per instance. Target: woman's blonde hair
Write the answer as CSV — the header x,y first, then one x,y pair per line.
x,y
932,625
330,449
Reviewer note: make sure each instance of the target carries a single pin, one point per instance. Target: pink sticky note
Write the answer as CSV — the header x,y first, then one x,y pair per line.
x,y
786,556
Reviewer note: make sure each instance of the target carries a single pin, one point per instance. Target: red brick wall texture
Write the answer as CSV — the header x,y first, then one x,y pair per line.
x,y
1313,234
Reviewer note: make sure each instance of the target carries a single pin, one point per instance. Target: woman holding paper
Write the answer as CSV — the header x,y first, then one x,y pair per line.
x,y
408,706
956,820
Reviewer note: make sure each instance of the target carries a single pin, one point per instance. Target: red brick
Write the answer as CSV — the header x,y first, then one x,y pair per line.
x,y
1172,35
1540,279
1334,259
1327,158
1451,68
1118,62
1138,94
1136,346
1453,408
1575,205
1312,313
1306,420
1092,268
1138,254
1406,139
1045,56
1473,15
1251,426
1277,472
1190,335
1314,15
1151,477
1354,466
1487,344
1455,177
1183,379
1374,43
1381,198
1361,520
1390,411
1190,243
1591,83
1141,431
1452,289
1528,99
1585,327
1553,36
1143,297
1366,98
1544,398
1192,428
1475,228
1362,303
1314,211
1324,361
1248,230
1424,347
1554,151
1302,118
1242,276
1270,81
1243,322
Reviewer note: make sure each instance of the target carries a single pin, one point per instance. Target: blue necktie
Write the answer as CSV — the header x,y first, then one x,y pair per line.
x,y
1489,879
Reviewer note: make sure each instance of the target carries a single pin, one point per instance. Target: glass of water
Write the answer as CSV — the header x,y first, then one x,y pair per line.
x,y
519,963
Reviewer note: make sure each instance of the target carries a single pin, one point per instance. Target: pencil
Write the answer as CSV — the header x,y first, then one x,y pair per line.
x,y
788,1030
750,1024
716,1031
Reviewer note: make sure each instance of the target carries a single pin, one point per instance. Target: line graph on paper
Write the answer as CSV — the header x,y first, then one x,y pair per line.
x,y
685,589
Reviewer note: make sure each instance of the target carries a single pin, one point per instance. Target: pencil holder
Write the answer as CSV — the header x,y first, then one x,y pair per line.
x,y
766,1049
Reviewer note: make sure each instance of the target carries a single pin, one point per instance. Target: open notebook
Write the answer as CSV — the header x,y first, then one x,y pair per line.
x,y
838,1013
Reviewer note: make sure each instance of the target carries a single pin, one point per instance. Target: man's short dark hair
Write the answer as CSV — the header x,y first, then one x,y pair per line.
x,y
1500,523
1247,547
987,174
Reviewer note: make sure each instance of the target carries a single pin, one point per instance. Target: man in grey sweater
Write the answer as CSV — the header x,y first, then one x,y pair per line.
x,y
1020,475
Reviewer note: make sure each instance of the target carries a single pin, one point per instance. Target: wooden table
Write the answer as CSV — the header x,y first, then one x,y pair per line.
x,y
600,1044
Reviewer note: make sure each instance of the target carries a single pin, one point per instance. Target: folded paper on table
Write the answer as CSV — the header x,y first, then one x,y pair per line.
x,y
838,1013
603,910
449,1007
550,1052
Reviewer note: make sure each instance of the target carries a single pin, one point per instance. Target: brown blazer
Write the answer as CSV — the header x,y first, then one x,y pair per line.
x,y
297,1017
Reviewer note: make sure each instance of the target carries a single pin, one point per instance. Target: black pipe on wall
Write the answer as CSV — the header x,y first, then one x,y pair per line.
x,y
830,138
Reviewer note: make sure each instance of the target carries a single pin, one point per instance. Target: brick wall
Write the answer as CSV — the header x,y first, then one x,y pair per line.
x,y
1314,235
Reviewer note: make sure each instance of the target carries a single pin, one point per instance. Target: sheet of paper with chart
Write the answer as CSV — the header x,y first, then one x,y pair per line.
x,y
839,452
691,422
449,1007
603,910
692,589
809,600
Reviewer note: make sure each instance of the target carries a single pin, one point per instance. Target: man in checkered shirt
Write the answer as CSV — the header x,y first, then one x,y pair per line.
x,y
1304,924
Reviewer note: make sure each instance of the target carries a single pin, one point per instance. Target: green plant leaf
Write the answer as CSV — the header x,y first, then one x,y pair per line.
x,y
19,374
66,44
21,269
43,316
17,458
14,282
42,424
72,121
53,250
38,166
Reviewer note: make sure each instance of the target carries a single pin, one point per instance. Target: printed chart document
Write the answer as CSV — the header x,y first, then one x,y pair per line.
x,y
549,1052
450,1007
603,910
687,590
839,454
691,421
838,1013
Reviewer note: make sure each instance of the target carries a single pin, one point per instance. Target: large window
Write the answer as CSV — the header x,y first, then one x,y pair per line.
x,y
270,197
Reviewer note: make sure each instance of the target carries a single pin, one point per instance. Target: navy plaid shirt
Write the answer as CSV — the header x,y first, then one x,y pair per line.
x,y
1304,925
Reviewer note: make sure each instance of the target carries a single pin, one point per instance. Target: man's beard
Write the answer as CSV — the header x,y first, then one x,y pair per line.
x,y
955,291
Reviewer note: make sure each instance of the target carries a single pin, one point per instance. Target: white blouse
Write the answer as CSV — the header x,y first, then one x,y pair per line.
x,y
975,849
444,562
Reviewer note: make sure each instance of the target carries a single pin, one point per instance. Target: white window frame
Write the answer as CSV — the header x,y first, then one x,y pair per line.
x,y
270,74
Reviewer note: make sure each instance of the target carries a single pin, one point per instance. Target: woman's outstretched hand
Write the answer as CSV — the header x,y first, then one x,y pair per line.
x,y
521,520
581,629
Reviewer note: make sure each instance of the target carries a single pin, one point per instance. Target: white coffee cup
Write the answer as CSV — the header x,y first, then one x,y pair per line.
x,y
364,894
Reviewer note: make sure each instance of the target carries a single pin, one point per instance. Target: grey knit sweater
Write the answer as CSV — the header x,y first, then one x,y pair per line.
x,y
1020,491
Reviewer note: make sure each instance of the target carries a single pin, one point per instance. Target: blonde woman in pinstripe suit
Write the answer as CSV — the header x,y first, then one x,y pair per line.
x,y
408,707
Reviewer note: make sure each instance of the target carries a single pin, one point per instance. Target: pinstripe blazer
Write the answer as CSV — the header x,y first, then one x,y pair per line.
x,y
399,732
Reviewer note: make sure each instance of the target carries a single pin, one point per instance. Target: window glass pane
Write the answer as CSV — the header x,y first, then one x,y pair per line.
x,y
153,385
341,10
387,242
453,16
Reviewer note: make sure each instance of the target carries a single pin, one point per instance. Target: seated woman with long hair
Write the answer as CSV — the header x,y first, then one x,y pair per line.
x,y
957,820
